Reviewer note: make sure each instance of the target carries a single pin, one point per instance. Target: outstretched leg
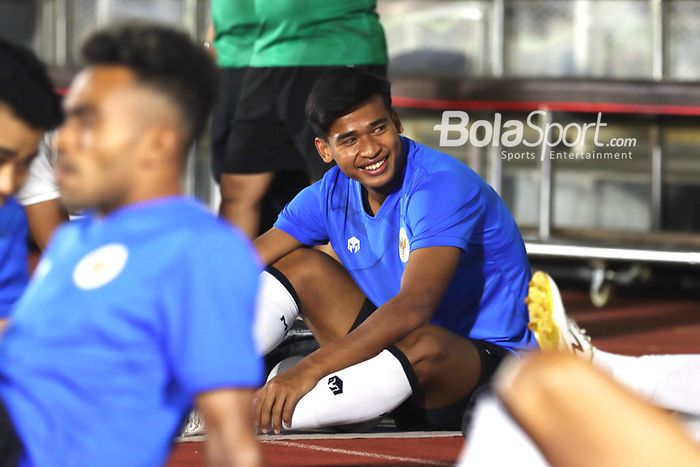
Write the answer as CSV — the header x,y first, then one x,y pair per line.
x,y
669,381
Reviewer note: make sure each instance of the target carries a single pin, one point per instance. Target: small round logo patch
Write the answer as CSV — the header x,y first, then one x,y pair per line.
x,y
100,266
404,246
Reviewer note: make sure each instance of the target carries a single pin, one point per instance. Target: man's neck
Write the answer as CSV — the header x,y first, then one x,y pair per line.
x,y
143,193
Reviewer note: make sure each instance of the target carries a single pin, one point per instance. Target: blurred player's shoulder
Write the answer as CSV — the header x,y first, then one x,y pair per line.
x,y
11,216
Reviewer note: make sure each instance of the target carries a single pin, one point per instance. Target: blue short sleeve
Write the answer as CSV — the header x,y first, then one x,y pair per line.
x,y
444,210
302,218
14,273
210,315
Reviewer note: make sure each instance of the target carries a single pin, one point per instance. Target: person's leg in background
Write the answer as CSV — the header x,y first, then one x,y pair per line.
x,y
241,198
668,381
553,409
257,148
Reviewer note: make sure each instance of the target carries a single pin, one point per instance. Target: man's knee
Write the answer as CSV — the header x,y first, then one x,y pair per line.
x,y
542,378
426,350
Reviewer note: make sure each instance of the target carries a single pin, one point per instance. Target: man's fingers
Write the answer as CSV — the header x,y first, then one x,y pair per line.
x,y
257,407
289,405
277,412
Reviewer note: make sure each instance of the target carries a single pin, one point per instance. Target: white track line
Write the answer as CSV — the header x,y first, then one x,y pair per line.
x,y
306,436
370,455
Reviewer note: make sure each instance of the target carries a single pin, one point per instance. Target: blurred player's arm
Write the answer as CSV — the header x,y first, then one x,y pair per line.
x,y
579,416
229,420
44,218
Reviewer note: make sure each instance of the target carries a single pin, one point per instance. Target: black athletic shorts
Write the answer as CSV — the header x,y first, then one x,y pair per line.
x,y
225,110
410,415
269,131
10,445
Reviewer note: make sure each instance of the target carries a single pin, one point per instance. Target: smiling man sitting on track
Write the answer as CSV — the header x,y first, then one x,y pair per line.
x,y
430,294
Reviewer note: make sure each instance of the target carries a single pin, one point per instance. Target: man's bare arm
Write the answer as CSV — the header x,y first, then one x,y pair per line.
x,y
230,438
44,218
274,244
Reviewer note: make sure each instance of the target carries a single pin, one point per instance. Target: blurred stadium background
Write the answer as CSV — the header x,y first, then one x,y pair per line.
x,y
606,222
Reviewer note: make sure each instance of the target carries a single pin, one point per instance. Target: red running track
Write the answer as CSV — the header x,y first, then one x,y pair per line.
x,y
408,452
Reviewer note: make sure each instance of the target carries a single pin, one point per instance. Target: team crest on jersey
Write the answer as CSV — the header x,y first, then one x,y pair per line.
x,y
101,266
404,246
353,244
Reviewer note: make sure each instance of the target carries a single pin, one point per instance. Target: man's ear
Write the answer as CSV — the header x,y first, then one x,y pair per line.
x,y
163,142
396,121
323,150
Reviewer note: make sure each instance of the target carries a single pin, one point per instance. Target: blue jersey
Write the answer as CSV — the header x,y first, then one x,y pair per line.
x,y
441,202
125,320
13,255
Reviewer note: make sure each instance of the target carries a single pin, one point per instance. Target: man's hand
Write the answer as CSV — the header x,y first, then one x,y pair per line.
x,y
230,437
275,402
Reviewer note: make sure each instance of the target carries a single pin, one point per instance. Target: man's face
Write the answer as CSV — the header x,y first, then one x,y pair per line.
x,y
18,147
102,141
366,145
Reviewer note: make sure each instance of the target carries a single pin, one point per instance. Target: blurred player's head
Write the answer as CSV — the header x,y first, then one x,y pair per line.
x,y
131,115
28,107
350,111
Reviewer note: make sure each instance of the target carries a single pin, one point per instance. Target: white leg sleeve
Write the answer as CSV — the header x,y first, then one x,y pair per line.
x,y
668,381
356,394
494,438
276,311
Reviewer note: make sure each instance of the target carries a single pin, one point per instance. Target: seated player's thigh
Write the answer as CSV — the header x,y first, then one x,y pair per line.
x,y
330,299
446,365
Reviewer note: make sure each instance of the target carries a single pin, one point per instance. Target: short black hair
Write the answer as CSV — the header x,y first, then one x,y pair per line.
x,y
338,92
166,60
25,87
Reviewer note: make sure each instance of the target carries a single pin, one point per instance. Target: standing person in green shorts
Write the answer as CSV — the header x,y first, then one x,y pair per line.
x,y
293,46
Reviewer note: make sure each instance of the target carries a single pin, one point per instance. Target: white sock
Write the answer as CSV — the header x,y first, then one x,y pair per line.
x,y
494,438
356,394
276,311
668,381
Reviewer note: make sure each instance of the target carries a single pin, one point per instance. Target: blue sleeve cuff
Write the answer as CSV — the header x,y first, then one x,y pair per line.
x,y
250,376
290,228
428,242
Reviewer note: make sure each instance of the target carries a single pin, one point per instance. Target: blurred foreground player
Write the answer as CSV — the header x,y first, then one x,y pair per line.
x,y
28,107
431,292
554,409
133,312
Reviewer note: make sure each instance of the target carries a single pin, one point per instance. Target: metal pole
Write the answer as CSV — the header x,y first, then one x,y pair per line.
x,y
545,207
495,167
655,143
190,170
189,19
103,11
497,55
657,39
582,39
61,25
